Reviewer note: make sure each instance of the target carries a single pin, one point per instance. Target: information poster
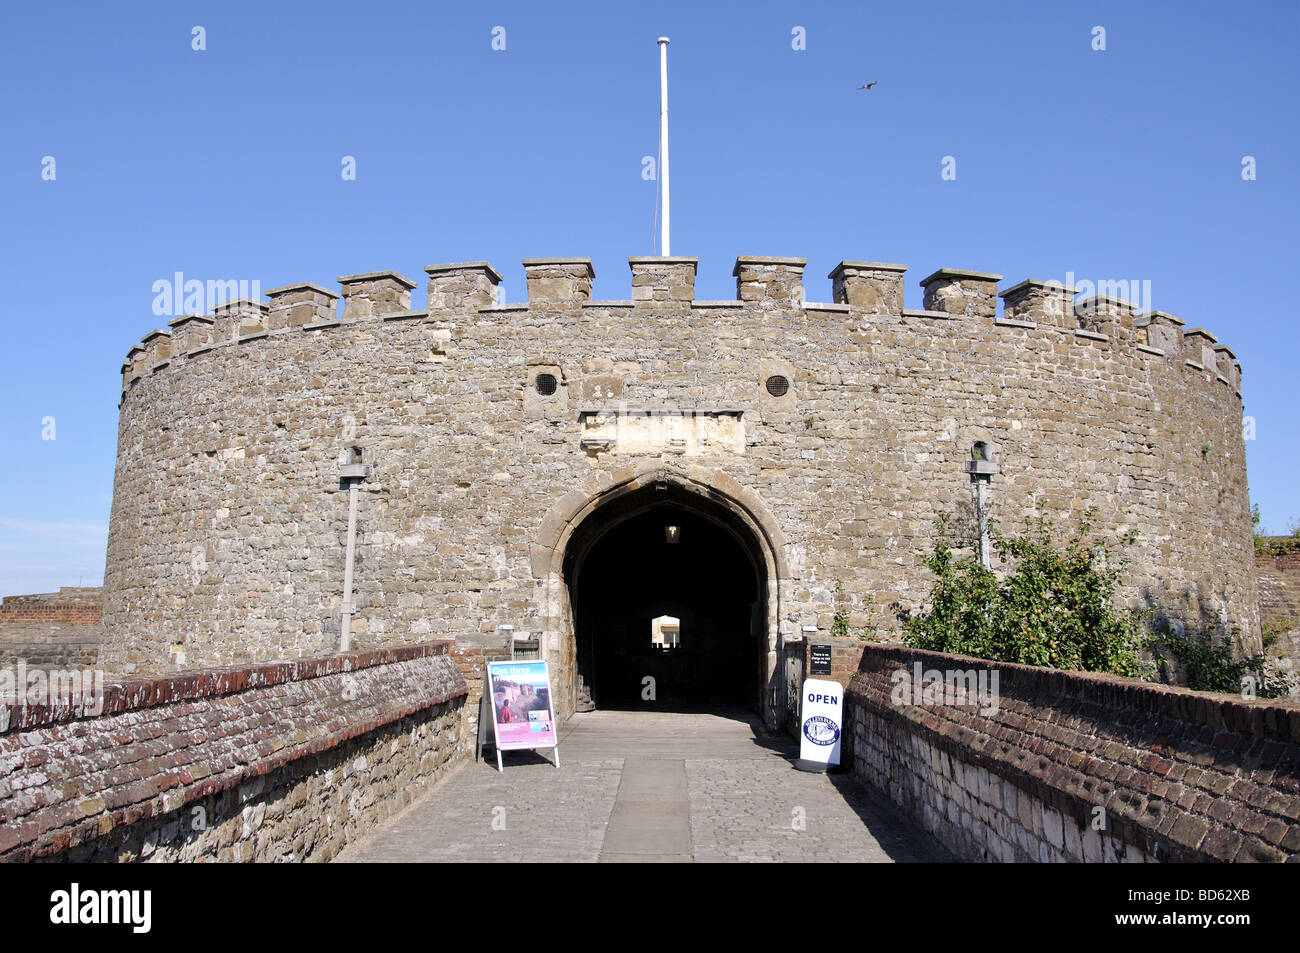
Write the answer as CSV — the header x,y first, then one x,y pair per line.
x,y
522,713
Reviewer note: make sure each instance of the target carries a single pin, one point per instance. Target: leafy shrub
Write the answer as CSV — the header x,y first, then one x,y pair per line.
x,y
1054,608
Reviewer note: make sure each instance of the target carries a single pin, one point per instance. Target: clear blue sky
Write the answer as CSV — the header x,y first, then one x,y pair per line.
x,y
225,163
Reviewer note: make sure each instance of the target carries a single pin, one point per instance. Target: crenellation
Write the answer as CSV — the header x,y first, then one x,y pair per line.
x,y
1103,314
559,284
476,448
462,287
766,282
961,293
1163,331
1198,346
1225,362
240,317
1043,303
660,282
296,306
190,331
373,294
158,346
874,287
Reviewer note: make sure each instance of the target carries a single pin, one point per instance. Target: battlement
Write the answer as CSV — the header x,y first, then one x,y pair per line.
x,y
867,292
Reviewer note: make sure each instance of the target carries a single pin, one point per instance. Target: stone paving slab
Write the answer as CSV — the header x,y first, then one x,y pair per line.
x,y
647,787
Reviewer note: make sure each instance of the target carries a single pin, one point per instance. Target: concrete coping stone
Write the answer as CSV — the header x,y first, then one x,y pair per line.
x,y
543,262
1148,349
237,304
255,336
1090,335
405,315
161,364
867,266
1192,332
375,276
432,270
195,352
1013,323
1146,317
825,306
186,318
959,273
155,333
766,260
135,349
621,303
1039,283
718,304
321,325
1226,350
663,260
1083,302
1195,364
511,306
922,313
303,286
1223,380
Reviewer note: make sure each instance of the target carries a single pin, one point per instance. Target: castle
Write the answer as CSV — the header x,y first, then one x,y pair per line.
x,y
572,471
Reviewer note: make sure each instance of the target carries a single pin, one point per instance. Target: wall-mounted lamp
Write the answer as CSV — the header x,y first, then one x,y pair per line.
x,y
672,534
982,470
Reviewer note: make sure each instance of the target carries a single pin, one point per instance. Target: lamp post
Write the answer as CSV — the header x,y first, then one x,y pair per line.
x,y
351,474
981,469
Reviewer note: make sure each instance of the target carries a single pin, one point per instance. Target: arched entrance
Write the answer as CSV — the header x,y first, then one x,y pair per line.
x,y
602,501
668,598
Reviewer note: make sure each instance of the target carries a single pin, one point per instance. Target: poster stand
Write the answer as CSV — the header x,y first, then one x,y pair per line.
x,y
531,724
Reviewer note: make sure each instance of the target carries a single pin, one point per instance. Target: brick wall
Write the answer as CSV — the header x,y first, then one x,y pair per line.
x,y
1279,598
77,606
1177,774
280,761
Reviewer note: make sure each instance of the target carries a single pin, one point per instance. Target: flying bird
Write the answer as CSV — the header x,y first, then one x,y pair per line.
x,y
869,85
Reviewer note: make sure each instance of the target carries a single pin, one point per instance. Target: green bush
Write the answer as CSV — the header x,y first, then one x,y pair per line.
x,y
1054,608
1211,666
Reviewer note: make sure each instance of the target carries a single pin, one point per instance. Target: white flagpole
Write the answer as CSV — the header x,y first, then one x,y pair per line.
x,y
663,135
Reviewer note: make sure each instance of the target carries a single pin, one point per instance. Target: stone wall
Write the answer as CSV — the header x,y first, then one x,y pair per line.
x,y
1172,774
52,629
284,761
228,523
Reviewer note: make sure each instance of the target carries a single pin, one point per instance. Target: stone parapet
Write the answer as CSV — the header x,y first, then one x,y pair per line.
x,y
559,283
294,306
375,294
770,282
875,287
663,281
464,287
961,293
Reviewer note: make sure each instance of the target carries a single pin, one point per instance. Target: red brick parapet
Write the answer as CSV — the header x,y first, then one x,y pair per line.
x,y
69,777
1179,774
153,690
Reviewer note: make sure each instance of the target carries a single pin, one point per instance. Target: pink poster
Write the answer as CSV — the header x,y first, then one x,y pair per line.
x,y
521,705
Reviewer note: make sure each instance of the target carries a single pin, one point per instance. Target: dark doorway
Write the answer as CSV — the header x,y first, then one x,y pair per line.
x,y
664,554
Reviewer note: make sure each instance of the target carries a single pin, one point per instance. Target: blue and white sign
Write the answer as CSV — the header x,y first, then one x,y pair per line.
x,y
821,725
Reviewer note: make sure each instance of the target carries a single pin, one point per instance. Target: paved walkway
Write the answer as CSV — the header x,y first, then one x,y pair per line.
x,y
642,786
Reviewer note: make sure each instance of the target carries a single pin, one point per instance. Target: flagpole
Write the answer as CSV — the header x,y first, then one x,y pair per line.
x,y
663,136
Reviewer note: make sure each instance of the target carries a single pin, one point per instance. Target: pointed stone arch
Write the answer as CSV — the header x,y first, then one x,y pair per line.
x,y
712,488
